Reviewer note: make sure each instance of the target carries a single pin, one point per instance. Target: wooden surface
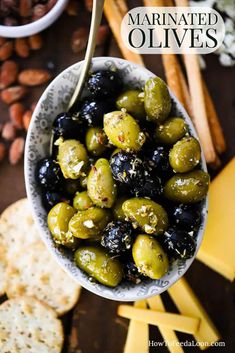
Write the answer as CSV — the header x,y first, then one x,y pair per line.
x,y
93,325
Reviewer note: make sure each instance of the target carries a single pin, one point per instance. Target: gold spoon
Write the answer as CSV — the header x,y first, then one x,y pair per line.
x,y
97,11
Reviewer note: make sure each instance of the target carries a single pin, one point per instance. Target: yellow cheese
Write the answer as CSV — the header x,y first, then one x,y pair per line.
x,y
138,334
218,246
169,336
188,304
174,321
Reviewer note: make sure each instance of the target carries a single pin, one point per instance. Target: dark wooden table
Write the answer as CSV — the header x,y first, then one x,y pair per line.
x,y
94,324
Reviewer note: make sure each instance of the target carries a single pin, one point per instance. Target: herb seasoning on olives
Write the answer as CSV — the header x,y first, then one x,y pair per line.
x,y
124,187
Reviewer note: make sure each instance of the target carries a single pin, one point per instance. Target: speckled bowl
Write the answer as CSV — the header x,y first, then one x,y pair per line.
x,y
55,100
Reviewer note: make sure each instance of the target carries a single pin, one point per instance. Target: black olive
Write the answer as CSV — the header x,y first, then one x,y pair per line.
x,y
51,198
48,174
117,237
127,168
179,244
68,126
158,158
131,272
149,185
186,217
92,112
104,83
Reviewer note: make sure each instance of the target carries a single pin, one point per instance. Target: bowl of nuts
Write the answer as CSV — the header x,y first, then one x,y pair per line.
x,y
118,186
22,18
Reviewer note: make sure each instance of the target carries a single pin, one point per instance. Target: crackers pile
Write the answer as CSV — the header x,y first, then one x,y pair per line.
x,y
37,288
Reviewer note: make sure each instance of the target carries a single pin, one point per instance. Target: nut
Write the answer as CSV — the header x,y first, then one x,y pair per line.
x,y
13,94
22,47
50,4
26,119
79,39
72,8
25,8
39,11
8,73
2,151
9,132
16,112
6,50
34,77
16,150
35,42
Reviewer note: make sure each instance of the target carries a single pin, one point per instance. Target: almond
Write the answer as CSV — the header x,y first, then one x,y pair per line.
x,y
8,73
79,39
35,42
22,47
9,132
13,94
27,118
34,77
16,112
72,8
25,8
2,151
33,106
2,41
39,11
6,50
16,150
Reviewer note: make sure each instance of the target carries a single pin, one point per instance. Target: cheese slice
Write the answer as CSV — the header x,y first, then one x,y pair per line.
x,y
218,246
174,321
188,304
138,334
169,336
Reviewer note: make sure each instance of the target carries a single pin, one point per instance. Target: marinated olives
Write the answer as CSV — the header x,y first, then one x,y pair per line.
x,y
133,101
149,257
99,264
117,237
121,188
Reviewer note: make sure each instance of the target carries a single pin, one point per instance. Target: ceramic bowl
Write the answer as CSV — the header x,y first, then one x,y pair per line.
x,y
36,26
54,101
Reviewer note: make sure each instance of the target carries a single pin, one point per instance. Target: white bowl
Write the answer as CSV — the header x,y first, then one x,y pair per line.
x,y
54,101
36,26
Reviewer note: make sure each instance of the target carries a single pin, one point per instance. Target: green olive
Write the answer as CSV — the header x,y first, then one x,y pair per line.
x,y
171,131
187,188
146,214
100,184
89,223
99,264
58,224
185,155
133,101
157,100
96,141
117,208
123,131
82,201
149,257
83,181
72,158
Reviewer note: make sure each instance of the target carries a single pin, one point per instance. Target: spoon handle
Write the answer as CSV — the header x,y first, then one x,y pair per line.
x,y
97,11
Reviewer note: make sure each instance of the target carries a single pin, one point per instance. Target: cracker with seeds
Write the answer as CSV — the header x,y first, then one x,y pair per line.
x,y
34,272
3,265
17,228
29,326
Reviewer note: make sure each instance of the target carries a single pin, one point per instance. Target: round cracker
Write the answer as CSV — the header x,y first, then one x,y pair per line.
x,y
17,227
29,326
3,266
36,273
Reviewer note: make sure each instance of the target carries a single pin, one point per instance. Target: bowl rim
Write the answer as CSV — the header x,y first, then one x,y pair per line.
x,y
36,26
85,282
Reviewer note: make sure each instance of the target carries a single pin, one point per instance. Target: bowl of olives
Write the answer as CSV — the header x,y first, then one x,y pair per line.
x,y
118,186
